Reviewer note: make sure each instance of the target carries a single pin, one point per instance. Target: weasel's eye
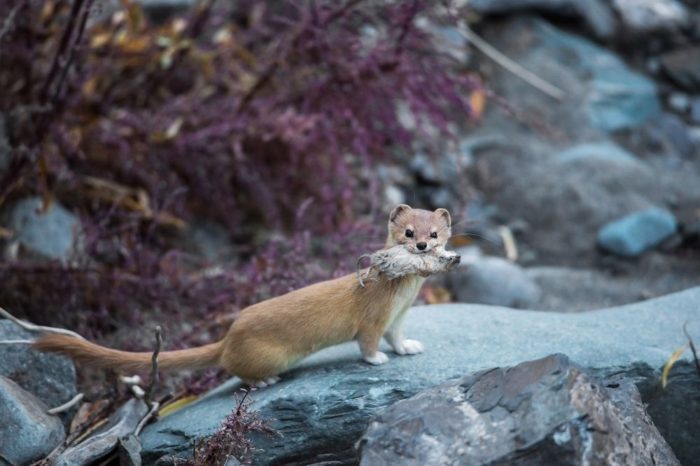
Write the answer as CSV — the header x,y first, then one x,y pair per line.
x,y
409,233
433,234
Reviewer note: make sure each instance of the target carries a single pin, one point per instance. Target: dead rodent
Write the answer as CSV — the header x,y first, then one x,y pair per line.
x,y
268,337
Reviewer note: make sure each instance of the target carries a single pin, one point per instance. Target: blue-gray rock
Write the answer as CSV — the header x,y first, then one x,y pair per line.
x,y
640,17
49,377
695,110
601,93
492,280
27,432
596,14
604,151
543,412
682,66
323,406
54,234
638,232
670,130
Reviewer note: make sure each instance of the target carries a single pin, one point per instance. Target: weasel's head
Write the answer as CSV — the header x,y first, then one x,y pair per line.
x,y
419,230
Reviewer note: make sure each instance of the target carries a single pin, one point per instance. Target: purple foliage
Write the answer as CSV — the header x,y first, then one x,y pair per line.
x,y
265,117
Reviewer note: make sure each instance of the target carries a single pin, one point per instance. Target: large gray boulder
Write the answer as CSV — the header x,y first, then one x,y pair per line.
x,y
27,432
544,412
322,407
49,377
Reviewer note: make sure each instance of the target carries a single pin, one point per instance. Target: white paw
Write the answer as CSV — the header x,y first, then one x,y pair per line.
x,y
412,347
377,359
266,382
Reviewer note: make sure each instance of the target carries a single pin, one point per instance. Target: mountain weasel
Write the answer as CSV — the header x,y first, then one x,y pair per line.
x,y
268,337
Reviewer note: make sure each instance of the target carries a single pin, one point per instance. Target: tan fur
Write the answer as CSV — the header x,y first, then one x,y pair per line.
x,y
268,337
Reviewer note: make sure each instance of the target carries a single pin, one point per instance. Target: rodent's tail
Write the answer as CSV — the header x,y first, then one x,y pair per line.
x,y
91,354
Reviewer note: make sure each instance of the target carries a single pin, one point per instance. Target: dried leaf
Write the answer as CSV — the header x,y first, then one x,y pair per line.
x,y
436,295
101,39
669,364
174,128
177,405
477,100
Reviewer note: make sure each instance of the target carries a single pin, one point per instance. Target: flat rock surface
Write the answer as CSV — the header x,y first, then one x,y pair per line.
x,y
49,377
323,406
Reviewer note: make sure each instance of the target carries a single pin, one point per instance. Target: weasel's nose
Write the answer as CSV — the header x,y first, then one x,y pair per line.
x,y
421,245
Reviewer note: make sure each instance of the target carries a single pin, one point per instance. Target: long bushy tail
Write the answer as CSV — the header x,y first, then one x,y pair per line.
x,y
91,354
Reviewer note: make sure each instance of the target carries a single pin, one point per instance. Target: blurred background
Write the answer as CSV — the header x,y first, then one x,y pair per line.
x,y
170,161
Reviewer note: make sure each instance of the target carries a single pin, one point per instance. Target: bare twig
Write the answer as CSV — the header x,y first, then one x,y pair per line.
x,y
16,342
154,367
692,348
37,328
7,24
149,415
509,64
509,245
67,405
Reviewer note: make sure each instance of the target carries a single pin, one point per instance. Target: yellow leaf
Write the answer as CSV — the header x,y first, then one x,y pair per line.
x,y
177,405
477,101
669,364
98,40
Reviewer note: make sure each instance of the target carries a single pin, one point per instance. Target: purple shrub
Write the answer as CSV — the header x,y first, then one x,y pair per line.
x,y
232,438
268,118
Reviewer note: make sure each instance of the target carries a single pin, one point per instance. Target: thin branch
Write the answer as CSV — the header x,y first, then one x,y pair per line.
x,y
509,64
67,405
37,328
7,24
149,415
154,367
16,342
509,244
692,348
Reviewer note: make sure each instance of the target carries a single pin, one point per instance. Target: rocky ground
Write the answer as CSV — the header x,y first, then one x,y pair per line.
x,y
599,188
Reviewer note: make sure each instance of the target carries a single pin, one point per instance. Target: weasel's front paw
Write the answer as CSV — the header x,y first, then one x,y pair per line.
x,y
410,347
377,359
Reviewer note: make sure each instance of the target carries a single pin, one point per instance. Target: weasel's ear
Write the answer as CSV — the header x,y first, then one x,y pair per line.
x,y
398,210
445,215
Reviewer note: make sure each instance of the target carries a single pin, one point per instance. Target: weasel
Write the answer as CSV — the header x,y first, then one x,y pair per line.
x,y
268,337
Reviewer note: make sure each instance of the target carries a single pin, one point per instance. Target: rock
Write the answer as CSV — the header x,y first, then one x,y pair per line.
x,y
27,433
54,234
679,102
121,424
544,412
492,280
648,16
673,406
682,66
638,232
322,407
670,131
599,152
596,83
695,110
596,14
49,377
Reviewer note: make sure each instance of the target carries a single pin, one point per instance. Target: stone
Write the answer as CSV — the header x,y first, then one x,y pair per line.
x,y
596,14
492,280
49,377
121,424
54,234
695,110
641,17
670,130
548,411
603,151
323,406
601,93
679,102
638,232
682,66
27,432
